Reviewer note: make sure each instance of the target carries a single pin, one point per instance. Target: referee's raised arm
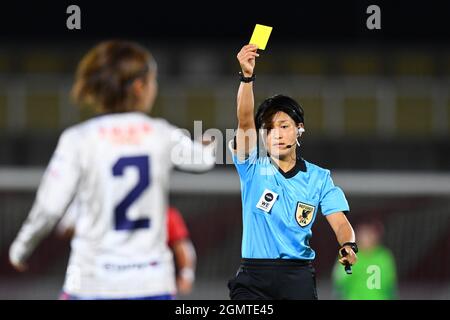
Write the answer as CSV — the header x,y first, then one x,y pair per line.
x,y
246,133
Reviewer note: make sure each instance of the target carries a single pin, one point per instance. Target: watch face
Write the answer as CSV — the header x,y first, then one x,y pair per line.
x,y
353,246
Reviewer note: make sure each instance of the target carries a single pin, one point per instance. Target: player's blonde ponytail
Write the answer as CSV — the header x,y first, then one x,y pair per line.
x,y
104,76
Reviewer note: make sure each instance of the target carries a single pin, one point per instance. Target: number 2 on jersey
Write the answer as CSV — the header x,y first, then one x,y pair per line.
x,y
142,163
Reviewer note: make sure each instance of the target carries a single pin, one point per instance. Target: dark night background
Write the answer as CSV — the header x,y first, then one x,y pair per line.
x,y
317,50
316,21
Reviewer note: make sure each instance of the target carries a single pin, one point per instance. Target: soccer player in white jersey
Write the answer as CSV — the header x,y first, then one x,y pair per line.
x,y
117,167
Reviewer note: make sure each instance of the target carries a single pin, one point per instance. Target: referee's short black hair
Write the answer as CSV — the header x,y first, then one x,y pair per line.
x,y
277,103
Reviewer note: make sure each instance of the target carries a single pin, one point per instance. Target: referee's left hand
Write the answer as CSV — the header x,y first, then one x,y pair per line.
x,y
350,257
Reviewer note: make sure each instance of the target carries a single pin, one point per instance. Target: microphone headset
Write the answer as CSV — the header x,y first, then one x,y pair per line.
x,y
300,131
281,103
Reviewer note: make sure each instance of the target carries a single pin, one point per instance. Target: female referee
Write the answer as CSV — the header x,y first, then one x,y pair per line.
x,y
116,167
281,195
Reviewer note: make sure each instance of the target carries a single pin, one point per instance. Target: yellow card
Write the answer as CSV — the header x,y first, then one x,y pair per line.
x,y
260,36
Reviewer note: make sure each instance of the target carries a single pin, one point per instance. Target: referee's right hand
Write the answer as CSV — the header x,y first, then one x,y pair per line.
x,y
246,58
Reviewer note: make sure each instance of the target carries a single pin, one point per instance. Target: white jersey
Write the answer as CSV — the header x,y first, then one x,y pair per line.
x,y
115,168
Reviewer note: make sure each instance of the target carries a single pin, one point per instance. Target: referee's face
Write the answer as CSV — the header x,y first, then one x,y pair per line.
x,y
281,133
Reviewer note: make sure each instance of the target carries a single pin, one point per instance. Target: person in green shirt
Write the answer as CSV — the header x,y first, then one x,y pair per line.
x,y
374,276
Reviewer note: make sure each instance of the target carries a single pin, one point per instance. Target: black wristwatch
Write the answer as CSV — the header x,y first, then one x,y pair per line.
x,y
246,79
351,245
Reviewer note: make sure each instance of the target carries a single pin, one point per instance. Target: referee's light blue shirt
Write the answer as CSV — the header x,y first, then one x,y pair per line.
x,y
273,205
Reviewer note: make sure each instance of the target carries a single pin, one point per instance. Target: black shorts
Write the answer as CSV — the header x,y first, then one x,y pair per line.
x,y
274,279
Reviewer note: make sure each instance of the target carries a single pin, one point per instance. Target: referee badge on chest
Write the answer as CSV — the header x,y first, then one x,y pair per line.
x,y
267,200
304,214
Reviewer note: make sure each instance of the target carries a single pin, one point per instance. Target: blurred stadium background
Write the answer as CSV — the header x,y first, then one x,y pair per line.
x,y
377,115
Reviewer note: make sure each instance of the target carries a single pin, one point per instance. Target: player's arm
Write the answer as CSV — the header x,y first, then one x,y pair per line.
x,y
65,229
246,133
344,234
185,258
191,155
183,250
54,193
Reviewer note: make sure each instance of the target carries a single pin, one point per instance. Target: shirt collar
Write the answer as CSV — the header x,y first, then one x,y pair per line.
x,y
300,165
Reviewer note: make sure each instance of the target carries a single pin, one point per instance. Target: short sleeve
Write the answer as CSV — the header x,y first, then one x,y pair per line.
x,y
176,227
332,198
244,166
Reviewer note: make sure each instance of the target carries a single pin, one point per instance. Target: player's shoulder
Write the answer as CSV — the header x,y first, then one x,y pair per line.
x,y
312,167
72,132
161,123
125,117
86,125
90,125
70,139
